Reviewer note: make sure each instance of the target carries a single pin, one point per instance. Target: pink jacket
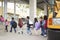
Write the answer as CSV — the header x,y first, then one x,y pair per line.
x,y
6,23
2,19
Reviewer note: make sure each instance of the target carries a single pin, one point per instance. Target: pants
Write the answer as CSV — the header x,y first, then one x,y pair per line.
x,y
46,31
42,31
35,30
20,30
1,23
11,29
28,30
6,28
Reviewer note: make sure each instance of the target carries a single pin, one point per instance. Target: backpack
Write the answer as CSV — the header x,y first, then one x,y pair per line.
x,y
42,23
2,19
14,25
45,25
37,25
20,24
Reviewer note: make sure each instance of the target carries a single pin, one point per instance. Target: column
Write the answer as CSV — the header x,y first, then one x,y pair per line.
x,y
5,9
14,9
45,9
33,9
2,7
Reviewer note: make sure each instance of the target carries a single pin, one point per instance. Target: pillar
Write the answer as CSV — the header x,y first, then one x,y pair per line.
x,y
2,7
5,9
14,9
32,9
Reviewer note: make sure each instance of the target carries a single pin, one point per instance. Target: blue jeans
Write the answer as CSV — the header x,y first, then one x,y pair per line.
x,y
46,31
28,30
11,29
42,31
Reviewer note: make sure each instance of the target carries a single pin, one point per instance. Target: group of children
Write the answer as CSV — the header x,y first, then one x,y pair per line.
x,y
42,23
13,23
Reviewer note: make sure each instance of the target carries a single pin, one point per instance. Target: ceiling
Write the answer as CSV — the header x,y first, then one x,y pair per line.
x,y
39,2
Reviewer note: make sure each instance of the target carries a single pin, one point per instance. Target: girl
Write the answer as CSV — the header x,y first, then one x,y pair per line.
x,y
20,24
42,23
45,25
6,25
37,25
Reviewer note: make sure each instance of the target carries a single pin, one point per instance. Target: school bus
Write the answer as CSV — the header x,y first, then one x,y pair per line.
x,y
54,19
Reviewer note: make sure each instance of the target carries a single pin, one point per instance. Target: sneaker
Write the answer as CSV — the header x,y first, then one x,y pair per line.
x,y
18,32
41,34
10,31
45,35
22,32
30,33
6,30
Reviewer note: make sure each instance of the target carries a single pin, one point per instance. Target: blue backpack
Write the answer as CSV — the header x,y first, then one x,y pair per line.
x,y
14,24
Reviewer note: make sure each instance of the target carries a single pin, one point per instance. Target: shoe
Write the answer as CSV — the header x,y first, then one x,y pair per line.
x,y
10,31
6,30
15,32
30,33
18,32
45,35
41,34
22,32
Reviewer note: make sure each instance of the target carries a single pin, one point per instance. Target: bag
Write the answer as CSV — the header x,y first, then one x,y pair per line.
x,y
30,22
2,19
45,25
14,25
20,24
37,25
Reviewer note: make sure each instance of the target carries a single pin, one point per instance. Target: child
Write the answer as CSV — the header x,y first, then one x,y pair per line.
x,y
6,25
20,24
42,23
37,25
13,24
1,19
28,26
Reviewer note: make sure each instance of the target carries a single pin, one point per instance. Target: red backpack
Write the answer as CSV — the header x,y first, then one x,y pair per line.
x,y
20,24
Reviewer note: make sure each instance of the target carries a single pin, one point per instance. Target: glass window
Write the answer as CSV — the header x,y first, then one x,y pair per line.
x,y
54,10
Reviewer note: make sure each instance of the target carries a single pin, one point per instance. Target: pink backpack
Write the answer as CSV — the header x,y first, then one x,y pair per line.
x,y
2,19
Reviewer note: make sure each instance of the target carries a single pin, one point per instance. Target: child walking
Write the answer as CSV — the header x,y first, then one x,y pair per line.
x,y
6,25
37,25
20,24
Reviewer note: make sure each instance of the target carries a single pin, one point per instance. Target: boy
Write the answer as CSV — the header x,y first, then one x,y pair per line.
x,y
13,25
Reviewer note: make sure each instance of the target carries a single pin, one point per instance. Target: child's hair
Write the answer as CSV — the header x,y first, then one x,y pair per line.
x,y
12,18
20,19
41,18
6,20
28,17
35,19
1,16
45,17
